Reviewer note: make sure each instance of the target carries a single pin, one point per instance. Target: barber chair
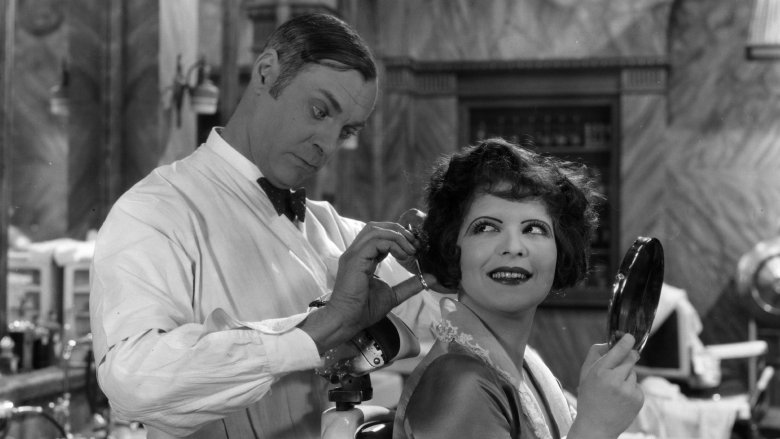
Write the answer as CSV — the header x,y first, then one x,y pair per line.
x,y
675,353
758,290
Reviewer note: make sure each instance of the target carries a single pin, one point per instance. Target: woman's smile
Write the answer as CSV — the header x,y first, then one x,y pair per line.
x,y
509,275
508,254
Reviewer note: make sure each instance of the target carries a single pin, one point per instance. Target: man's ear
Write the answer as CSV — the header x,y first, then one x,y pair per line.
x,y
265,70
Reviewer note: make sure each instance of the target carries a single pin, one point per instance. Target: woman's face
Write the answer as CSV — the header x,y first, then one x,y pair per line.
x,y
508,254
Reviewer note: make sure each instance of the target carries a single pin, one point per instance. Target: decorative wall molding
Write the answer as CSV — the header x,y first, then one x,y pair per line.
x,y
406,80
643,80
631,75
525,64
261,12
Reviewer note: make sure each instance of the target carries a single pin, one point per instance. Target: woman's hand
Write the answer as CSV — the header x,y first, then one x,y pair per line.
x,y
609,396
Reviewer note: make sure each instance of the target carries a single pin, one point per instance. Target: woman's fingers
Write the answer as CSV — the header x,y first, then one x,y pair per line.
x,y
624,370
618,353
618,361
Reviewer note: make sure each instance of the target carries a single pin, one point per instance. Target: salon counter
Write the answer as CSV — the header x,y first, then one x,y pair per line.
x,y
46,383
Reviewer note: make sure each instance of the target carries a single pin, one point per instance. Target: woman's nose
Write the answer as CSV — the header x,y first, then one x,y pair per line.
x,y
514,244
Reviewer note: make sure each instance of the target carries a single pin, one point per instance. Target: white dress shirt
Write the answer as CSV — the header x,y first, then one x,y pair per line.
x,y
197,288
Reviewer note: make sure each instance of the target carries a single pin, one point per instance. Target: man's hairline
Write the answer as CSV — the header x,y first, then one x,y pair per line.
x,y
330,64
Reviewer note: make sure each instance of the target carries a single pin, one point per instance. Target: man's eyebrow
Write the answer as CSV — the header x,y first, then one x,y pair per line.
x,y
331,99
337,107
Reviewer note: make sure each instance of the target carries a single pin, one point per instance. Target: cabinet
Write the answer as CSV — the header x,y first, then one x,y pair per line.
x,y
76,298
576,129
32,287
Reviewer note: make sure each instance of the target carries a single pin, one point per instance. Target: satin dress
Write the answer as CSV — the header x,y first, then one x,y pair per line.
x,y
467,387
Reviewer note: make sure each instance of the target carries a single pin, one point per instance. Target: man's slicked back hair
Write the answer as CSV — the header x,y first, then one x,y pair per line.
x,y
318,39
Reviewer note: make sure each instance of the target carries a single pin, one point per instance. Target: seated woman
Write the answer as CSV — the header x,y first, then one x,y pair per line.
x,y
505,227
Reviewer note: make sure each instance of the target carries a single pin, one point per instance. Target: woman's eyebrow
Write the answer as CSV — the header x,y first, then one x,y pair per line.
x,y
485,217
535,220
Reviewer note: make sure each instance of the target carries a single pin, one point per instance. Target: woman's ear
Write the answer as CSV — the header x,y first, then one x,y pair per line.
x,y
265,70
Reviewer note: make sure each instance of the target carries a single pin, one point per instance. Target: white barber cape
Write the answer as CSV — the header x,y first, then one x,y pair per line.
x,y
195,237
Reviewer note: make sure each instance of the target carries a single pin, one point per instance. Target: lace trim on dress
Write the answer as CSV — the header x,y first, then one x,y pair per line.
x,y
446,332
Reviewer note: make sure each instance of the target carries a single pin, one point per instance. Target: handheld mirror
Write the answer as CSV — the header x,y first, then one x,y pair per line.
x,y
636,292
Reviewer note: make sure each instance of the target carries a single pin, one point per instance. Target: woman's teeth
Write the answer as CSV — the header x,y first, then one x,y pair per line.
x,y
506,275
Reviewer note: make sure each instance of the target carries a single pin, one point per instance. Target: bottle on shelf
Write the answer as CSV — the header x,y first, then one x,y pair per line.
x,y
9,362
545,134
560,131
575,131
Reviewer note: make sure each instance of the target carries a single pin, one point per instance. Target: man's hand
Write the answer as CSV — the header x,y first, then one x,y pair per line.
x,y
412,220
360,299
609,397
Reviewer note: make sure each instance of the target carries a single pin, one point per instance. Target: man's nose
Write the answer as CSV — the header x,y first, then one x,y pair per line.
x,y
319,153
326,142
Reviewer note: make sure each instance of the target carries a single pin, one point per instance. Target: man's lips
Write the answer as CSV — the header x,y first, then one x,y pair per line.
x,y
305,162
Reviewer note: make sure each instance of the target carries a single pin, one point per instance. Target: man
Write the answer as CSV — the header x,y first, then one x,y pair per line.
x,y
198,282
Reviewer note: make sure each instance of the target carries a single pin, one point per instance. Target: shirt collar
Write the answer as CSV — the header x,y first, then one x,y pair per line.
x,y
219,146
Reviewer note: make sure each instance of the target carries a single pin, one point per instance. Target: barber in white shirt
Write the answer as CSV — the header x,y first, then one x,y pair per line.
x,y
199,283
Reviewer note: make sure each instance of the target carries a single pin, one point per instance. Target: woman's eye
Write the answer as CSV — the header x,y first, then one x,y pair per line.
x,y
536,229
318,112
484,227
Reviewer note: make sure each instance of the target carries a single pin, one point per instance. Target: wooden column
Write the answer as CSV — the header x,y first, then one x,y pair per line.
x,y
229,88
88,31
6,67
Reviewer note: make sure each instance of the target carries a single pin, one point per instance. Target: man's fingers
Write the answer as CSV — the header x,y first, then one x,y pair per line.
x,y
412,217
388,232
410,287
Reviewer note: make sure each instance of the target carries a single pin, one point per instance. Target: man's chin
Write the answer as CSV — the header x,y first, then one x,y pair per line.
x,y
298,181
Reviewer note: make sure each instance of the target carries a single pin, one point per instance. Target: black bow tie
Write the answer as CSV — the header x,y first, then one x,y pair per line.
x,y
290,203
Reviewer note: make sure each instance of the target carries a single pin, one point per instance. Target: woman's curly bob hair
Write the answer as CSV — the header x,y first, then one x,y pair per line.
x,y
505,170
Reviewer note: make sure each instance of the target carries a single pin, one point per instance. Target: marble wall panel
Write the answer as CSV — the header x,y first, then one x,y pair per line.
x,y
178,38
210,31
363,175
642,168
389,175
86,122
722,188
508,29
142,110
38,147
435,134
